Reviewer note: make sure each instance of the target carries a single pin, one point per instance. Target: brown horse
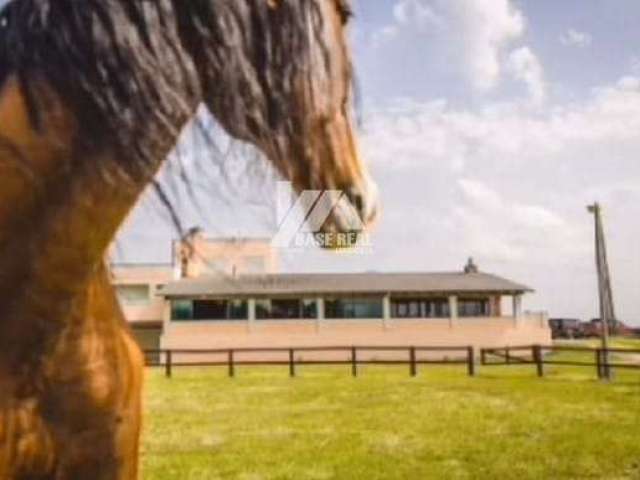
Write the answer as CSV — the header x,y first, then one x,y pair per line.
x,y
93,95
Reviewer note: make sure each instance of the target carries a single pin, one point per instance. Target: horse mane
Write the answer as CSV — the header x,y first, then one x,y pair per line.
x,y
276,56
127,68
116,64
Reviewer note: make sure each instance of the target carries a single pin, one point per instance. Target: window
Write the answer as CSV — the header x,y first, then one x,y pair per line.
x,y
133,294
353,308
211,310
439,309
286,309
181,310
309,308
419,308
473,307
238,310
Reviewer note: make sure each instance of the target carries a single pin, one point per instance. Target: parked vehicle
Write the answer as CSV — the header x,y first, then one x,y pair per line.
x,y
565,328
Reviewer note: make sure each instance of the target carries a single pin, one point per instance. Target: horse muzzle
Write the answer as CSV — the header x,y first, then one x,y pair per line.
x,y
352,215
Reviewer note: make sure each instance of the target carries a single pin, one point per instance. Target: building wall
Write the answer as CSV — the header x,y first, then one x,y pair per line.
x,y
478,332
153,277
206,257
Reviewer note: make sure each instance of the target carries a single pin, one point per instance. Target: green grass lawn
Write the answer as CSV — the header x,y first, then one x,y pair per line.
x,y
505,423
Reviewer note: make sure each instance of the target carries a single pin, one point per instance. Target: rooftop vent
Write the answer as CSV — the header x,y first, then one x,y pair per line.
x,y
471,267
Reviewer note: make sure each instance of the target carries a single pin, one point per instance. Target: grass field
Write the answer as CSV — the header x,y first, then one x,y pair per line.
x,y
324,424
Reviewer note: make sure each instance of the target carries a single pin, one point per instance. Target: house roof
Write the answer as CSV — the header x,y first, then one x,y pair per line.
x,y
343,283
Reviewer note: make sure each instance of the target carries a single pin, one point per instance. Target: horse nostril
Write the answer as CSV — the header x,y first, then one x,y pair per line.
x,y
358,201
361,203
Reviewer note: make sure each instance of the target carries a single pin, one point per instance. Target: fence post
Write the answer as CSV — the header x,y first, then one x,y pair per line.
x,y
537,357
292,363
471,366
483,356
606,368
232,368
599,363
412,361
507,355
354,362
167,363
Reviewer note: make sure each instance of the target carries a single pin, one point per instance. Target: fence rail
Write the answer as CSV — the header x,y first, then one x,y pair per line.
x,y
537,355
229,357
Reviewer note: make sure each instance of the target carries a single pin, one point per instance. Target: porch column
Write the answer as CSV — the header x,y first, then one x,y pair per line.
x,y
453,310
251,313
386,310
320,316
517,308
166,321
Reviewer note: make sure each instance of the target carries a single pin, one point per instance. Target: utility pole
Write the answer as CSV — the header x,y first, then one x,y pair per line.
x,y
607,313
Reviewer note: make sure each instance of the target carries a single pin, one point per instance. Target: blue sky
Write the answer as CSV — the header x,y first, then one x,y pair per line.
x,y
422,60
489,125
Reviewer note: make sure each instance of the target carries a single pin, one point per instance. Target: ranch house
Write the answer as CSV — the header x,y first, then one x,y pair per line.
x,y
245,302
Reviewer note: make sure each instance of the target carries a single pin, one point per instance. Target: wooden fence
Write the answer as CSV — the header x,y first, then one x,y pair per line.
x,y
538,355
232,358
413,357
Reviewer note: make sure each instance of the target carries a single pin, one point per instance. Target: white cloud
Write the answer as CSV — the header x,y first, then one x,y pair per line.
x,y
489,26
407,15
408,11
524,65
629,82
575,38
509,184
475,35
497,227
384,35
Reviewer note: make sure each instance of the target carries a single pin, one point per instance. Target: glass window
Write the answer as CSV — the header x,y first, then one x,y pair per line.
x,y
419,308
353,308
181,310
263,309
440,308
238,310
133,294
285,309
309,308
473,307
211,310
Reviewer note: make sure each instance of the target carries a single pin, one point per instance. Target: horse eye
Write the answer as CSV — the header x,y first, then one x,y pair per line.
x,y
345,11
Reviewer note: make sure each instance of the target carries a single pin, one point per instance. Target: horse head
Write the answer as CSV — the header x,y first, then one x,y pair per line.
x,y
288,82
93,96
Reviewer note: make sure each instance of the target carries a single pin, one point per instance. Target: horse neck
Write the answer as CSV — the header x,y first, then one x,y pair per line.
x,y
52,263
52,258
